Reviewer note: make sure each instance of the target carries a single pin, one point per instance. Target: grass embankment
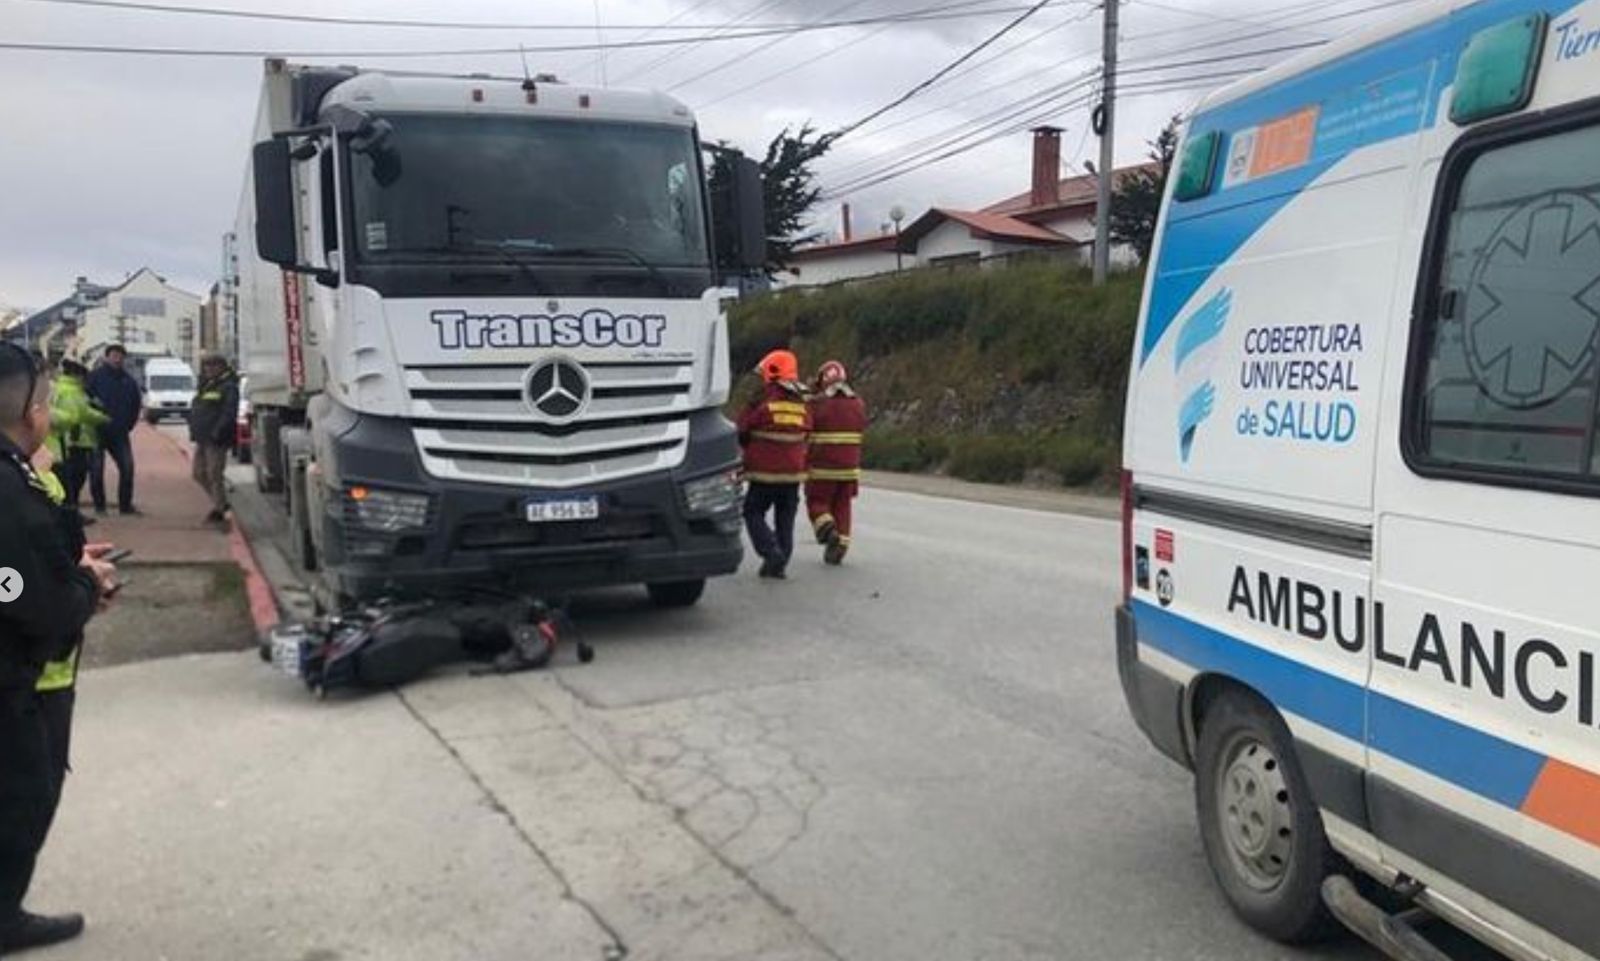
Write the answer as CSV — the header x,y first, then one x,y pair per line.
x,y
989,375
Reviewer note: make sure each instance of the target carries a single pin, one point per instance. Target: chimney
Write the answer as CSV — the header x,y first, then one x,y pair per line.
x,y
1046,167
844,215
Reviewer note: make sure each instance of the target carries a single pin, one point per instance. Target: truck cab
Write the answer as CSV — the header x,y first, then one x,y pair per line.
x,y
484,334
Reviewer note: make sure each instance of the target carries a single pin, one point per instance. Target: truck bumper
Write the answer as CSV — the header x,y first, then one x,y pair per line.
x,y
1155,700
476,534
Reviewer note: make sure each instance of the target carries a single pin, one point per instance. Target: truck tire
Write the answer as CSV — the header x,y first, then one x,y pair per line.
x,y
1261,828
676,593
301,547
266,460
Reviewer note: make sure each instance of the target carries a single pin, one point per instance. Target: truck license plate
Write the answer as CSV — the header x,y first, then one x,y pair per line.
x,y
551,510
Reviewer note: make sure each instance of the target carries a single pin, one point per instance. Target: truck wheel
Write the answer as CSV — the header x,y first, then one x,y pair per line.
x,y
677,593
301,546
1261,828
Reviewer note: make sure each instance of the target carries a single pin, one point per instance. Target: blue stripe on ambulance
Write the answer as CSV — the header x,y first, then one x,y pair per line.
x,y
1201,235
1469,758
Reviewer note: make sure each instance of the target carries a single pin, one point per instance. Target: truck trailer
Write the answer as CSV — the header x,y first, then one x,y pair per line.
x,y
484,337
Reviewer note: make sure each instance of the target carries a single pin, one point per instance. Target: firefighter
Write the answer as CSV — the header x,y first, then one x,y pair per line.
x,y
773,432
838,419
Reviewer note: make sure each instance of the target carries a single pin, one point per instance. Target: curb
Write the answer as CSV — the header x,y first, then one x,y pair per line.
x,y
263,603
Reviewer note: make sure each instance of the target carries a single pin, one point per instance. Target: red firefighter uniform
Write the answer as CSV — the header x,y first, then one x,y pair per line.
x,y
838,422
773,431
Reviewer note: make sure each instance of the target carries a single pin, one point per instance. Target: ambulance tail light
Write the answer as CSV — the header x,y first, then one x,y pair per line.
x,y
1127,534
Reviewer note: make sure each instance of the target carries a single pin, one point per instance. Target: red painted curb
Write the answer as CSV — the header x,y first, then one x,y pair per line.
x,y
263,605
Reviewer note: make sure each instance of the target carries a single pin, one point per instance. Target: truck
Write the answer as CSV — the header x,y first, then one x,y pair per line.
x,y
1361,483
484,333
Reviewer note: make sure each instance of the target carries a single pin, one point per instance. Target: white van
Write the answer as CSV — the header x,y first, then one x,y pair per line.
x,y
1362,533
168,388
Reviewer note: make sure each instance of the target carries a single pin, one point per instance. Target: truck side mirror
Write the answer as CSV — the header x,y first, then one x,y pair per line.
x,y
276,238
749,214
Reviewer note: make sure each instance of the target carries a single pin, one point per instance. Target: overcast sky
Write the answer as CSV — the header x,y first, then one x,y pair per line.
x,y
110,163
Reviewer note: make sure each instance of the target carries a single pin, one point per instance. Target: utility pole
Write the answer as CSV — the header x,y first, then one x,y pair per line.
x,y
1107,115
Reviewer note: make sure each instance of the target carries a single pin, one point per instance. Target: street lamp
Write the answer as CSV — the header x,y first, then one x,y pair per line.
x,y
897,213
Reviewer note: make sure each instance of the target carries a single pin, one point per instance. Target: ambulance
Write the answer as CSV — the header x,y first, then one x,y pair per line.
x,y
1361,527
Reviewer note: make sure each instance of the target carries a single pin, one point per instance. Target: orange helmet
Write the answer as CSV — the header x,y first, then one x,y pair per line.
x,y
779,366
831,373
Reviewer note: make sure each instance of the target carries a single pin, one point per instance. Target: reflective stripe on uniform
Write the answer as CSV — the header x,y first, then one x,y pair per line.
x,y
836,474
215,395
836,437
779,437
766,478
59,675
786,407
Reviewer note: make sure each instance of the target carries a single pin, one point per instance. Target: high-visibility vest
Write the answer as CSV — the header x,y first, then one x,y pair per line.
x,y
59,675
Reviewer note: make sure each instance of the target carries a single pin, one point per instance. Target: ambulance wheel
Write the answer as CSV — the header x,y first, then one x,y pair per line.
x,y
677,593
1262,831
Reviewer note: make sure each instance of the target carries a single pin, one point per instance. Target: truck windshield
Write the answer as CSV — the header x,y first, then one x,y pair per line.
x,y
473,188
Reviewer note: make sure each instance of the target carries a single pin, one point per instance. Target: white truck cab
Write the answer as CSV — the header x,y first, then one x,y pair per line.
x,y
1362,478
484,335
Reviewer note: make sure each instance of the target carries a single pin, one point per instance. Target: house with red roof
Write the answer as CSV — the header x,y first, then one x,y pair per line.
x,y
1055,217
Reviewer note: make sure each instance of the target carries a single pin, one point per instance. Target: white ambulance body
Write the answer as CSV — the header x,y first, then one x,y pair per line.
x,y
1362,532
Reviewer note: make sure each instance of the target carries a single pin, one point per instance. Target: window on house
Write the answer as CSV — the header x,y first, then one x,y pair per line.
x,y
1506,375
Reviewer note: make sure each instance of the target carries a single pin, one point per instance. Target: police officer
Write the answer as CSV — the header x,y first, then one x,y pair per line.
x,y
48,591
213,428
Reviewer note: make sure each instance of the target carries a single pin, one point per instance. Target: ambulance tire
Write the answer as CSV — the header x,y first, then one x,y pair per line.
x,y
1261,829
670,594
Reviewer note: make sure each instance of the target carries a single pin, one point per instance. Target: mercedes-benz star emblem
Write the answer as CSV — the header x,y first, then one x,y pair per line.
x,y
558,389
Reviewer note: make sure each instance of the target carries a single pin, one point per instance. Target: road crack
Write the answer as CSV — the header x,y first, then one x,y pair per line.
x,y
617,949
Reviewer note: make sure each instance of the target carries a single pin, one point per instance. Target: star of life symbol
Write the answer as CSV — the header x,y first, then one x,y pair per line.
x,y
558,389
1533,305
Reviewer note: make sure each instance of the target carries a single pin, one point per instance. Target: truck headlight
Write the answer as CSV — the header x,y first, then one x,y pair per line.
x,y
708,496
381,510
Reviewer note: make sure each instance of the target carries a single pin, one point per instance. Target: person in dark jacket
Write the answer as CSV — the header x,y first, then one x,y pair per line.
x,y
120,397
48,591
773,433
213,427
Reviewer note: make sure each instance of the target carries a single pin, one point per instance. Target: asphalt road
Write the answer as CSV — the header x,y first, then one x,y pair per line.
x,y
921,755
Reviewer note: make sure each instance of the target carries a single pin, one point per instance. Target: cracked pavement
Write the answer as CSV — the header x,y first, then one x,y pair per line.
x,y
923,756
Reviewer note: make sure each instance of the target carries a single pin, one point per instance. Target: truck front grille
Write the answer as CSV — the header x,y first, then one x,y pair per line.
x,y
473,424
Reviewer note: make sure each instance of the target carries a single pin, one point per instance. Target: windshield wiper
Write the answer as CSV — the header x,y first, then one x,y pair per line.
x,y
524,265
552,252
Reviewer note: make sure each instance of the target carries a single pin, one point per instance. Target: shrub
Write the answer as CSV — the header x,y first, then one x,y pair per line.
x,y
990,459
906,453
1076,460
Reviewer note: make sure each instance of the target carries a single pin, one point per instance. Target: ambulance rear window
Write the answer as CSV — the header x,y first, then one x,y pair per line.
x,y
1507,373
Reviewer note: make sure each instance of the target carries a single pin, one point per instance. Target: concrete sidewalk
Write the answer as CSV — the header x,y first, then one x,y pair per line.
x,y
171,528
217,811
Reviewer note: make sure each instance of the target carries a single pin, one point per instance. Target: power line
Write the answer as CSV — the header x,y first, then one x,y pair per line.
x,y
128,50
593,61
758,48
1008,115
1228,41
238,14
679,52
802,65
942,71
1144,89
1061,88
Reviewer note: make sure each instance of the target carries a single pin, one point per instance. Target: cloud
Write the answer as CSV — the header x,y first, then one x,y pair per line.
x,y
113,163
